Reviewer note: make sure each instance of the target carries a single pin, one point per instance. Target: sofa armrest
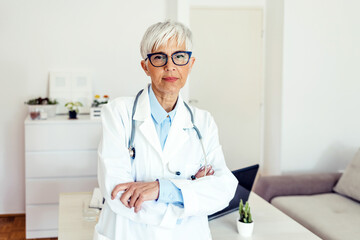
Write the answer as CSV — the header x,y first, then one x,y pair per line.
x,y
269,187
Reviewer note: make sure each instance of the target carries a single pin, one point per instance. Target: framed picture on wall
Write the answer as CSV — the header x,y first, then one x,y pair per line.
x,y
71,87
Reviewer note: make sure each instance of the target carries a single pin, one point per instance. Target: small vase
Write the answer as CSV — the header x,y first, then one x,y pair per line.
x,y
72,114
245,229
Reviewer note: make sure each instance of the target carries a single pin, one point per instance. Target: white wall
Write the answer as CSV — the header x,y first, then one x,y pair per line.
x,y
39,35
227,3
274,19
316,88
321,85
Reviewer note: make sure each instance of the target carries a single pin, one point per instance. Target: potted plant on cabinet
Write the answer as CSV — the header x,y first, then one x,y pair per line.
x,y
95,110
245,224
42,108
73,108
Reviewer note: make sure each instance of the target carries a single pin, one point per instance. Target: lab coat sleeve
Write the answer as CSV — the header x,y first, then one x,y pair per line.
x,y
114,167
207,195
169,193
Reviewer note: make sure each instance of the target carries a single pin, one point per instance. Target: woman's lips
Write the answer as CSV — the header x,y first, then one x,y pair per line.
x,y
170,79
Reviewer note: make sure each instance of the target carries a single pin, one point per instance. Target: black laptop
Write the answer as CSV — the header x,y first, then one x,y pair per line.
x,y
246,177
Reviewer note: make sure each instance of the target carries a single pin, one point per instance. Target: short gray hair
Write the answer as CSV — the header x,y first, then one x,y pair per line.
x,y
159,34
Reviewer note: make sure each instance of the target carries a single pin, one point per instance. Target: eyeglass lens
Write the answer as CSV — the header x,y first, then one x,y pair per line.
x,y
160,59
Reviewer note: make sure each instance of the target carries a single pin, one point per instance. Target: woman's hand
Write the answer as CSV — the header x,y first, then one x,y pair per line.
x,y
135,193
201,172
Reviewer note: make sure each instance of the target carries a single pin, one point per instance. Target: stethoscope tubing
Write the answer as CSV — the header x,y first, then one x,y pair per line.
x,y
131,139
131,148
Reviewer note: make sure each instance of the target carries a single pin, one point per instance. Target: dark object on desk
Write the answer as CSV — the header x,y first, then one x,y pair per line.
x,y
246,177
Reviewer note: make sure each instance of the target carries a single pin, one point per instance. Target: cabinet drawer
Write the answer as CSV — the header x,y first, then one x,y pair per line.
x,y
48,190
42,217
61,164
49,137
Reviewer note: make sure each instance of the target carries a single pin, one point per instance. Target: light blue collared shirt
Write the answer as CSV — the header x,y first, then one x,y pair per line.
x,y
169,193
160,117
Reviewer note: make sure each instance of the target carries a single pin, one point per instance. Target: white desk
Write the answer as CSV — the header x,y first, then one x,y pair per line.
x,y
270,223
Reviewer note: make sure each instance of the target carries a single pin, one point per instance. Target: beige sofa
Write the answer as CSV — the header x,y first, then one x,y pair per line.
x,y
328,204
310,200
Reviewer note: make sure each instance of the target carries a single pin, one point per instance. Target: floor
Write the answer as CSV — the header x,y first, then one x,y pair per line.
x,y
13,228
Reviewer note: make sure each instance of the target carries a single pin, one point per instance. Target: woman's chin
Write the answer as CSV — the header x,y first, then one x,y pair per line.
x,y
171,88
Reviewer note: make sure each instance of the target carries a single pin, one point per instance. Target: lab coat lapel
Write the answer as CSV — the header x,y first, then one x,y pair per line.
x,y
177,134
146,125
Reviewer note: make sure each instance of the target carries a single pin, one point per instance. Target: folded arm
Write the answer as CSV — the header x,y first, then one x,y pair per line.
x,y
202,196
114,168
208,195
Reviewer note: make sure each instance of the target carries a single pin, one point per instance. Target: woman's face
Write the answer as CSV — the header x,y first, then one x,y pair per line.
x,y
170,78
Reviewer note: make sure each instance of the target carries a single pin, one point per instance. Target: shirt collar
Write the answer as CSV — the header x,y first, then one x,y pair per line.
x,y
157,111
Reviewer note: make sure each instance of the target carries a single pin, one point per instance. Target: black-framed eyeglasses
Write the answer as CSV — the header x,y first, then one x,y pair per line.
x,y
160,59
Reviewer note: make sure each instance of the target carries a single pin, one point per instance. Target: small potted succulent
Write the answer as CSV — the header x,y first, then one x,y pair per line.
x,y
73,108
245,223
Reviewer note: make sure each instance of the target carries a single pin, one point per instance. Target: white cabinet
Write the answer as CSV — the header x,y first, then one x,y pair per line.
x,y
60,156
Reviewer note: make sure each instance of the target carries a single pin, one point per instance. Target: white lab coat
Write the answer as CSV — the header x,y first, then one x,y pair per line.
x,y
182,152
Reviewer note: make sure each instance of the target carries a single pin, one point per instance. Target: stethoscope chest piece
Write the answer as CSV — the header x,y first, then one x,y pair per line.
x,y
132,152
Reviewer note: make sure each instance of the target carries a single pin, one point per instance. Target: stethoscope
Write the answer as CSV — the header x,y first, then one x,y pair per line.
x,y
131,148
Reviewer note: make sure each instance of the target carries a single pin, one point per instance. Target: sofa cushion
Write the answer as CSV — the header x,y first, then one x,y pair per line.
x,y
269,187
349,183
329,215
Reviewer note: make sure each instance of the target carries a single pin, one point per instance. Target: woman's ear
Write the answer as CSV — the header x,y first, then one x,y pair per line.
x,y
145,67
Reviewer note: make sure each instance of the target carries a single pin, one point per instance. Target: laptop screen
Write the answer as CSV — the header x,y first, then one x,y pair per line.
x,y
246,177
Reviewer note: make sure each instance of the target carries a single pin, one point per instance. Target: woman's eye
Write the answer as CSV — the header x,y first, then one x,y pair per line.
x,y
158,57
180,56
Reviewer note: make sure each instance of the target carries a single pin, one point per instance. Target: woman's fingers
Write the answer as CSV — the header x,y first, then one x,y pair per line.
x,y
134,197
210,172
118,188
136,193
208,169
201,172
138,203
126,197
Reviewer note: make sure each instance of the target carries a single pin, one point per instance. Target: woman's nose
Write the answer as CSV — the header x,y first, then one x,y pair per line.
x,y
170,66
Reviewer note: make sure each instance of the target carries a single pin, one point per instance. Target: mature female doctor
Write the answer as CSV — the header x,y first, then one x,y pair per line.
x,y
161,168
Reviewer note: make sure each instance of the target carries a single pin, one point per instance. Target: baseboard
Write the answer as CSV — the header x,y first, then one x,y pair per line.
x,y
51,233
13,215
